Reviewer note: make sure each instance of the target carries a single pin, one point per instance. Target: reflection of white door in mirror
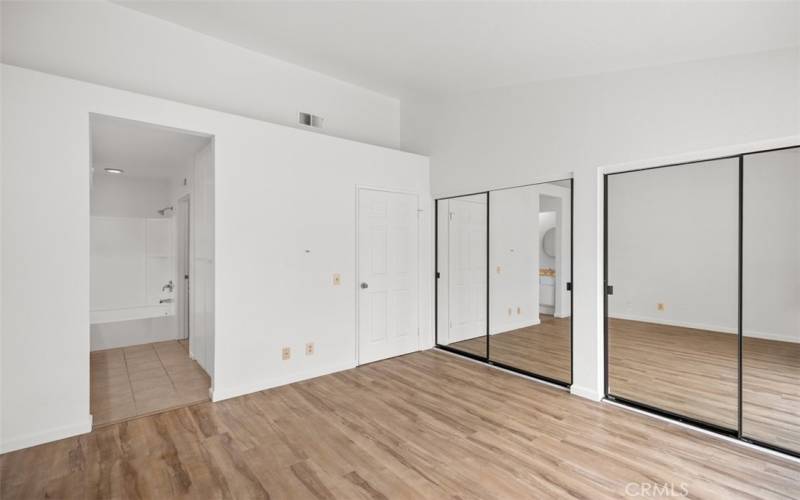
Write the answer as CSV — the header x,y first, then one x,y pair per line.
x,y
467,268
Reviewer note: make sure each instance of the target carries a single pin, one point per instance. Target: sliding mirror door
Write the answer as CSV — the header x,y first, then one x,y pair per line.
x,y
461,296
529,284
771,298
672,271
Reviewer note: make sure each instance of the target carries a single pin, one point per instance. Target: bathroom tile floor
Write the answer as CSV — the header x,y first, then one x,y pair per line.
x,y
133,381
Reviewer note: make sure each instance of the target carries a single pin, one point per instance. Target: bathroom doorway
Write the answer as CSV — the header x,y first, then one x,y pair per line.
x,y
151,228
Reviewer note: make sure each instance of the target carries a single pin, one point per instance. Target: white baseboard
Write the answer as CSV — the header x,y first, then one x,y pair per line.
x,y
46,436
700,326
585,392
222,393
508,327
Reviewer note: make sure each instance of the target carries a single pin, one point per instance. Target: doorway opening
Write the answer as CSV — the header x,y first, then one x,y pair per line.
x,y
152,268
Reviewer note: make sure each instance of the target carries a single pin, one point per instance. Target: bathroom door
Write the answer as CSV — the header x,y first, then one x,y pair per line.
x,y
388,323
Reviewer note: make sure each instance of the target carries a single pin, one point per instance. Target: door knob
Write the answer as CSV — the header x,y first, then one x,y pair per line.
x,y
364,285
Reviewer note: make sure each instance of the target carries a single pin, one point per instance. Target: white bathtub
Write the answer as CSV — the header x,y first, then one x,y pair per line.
x,y
131,313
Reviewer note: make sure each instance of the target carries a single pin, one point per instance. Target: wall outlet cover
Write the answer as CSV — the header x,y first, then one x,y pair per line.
x,y
286,353
337,279
309,349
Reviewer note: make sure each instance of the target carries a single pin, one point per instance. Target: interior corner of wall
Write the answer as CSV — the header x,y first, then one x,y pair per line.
x,y
585,392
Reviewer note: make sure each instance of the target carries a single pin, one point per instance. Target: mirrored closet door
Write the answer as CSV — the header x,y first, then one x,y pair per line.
x,y
672,304
461,268
771,298
529,280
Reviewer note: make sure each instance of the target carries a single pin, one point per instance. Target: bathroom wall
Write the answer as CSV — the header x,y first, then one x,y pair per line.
x,y
123,196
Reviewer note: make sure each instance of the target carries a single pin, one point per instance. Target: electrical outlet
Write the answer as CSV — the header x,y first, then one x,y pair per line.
x,y
309,349
286,353
660,306
337,279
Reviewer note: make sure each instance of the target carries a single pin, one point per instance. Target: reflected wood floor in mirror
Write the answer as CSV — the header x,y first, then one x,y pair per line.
x,y
424,425
128,382
694,373
543,349
771,392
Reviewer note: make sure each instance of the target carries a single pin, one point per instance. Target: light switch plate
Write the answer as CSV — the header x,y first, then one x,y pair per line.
x,y
660,306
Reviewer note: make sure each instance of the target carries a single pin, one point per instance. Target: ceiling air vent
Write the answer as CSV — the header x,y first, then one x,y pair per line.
x,y
309,120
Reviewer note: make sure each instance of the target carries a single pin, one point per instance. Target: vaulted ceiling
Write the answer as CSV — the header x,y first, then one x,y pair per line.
x,y
399,47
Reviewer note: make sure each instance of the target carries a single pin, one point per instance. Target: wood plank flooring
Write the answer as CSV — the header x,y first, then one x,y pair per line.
x,y
695,373
425,425
685,371
543,349
139,380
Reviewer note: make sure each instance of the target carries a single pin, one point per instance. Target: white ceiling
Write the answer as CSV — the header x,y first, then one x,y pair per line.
x,y
141,149
402,47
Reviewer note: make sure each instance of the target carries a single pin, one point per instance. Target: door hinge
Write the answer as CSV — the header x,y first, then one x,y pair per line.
x,y
452,214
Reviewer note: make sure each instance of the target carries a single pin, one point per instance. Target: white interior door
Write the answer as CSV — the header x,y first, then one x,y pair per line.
x,y
467,269
388,319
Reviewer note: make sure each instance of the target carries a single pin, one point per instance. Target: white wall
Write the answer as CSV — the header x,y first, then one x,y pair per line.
x,y
119,47
771,246
547,221
513,259
201,257
673,239
545,131
122,196
278,192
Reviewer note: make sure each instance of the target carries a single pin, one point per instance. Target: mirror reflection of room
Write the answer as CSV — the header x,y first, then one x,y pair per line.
x,y
461,264
529,275
672,262
771,298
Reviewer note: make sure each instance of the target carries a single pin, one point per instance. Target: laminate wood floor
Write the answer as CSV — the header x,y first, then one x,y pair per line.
x,y
425,425
695,373
543,349
139,380
685,371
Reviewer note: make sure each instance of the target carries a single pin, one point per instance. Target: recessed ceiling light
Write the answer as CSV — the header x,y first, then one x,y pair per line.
x,y
114,170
